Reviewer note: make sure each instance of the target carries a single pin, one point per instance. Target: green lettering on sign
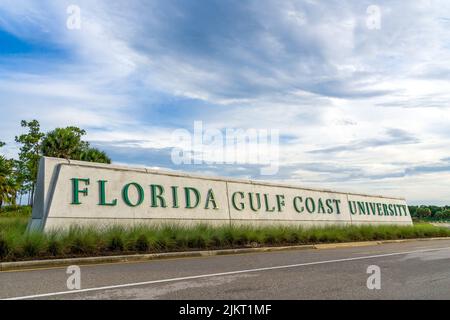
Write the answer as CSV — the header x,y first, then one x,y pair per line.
x,y
102,200
361,208
321,208
126,197
379,209
280,202
233,201
368,209
352,207
337,202
211,198
310,205
175,196
258,199
296,204
329,203
395,210
373,207
385,209
391,210
405,209
187,194
157,192
266,202
76,189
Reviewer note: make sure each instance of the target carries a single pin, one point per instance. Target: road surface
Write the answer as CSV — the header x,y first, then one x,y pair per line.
x,y
410,270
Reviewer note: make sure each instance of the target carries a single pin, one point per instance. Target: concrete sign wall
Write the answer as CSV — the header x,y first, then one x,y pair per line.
x,y
84,193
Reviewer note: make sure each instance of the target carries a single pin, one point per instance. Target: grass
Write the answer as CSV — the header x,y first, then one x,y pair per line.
x,y
16,244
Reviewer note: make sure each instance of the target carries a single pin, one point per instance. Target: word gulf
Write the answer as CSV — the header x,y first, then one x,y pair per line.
x,y
134,194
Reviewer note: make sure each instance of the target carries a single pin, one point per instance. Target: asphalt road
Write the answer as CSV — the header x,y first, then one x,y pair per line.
x,y
412,270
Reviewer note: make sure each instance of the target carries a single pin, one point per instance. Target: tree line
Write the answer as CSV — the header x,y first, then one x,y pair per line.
x,y
18,176
430,212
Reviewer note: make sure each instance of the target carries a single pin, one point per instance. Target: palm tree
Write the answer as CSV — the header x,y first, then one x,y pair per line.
x,y
94,155
8,191
8,185
3,191
64,143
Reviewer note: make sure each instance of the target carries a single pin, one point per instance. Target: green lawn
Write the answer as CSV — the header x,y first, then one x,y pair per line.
x,y
16,244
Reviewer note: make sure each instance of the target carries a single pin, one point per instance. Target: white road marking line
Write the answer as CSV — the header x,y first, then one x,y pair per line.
x,y
220,274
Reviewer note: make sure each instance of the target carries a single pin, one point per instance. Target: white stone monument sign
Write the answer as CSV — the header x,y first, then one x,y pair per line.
x,y
84,193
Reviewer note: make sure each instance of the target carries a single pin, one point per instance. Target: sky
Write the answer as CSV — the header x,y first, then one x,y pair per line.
x,y
359,91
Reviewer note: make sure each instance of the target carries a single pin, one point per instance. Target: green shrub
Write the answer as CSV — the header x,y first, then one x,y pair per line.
x,y
236,236
33,244
269,238
54,247
293,236
79,241
142,243
116,243
79,246
4,247
216,241
11,208
228,236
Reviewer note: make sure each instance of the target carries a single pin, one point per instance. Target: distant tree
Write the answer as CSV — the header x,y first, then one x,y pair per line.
x,y
434,210
412,210
29,155
443,215
446,214
423,212
94,155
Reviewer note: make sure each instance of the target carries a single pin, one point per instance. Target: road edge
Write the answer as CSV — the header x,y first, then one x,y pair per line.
x,y
36,264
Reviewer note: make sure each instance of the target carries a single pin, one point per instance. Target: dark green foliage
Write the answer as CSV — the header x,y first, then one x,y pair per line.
x,y
64,143
116,243
430,213
4,247
142,243
15,211
9,182
54,247
67,143
94,155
